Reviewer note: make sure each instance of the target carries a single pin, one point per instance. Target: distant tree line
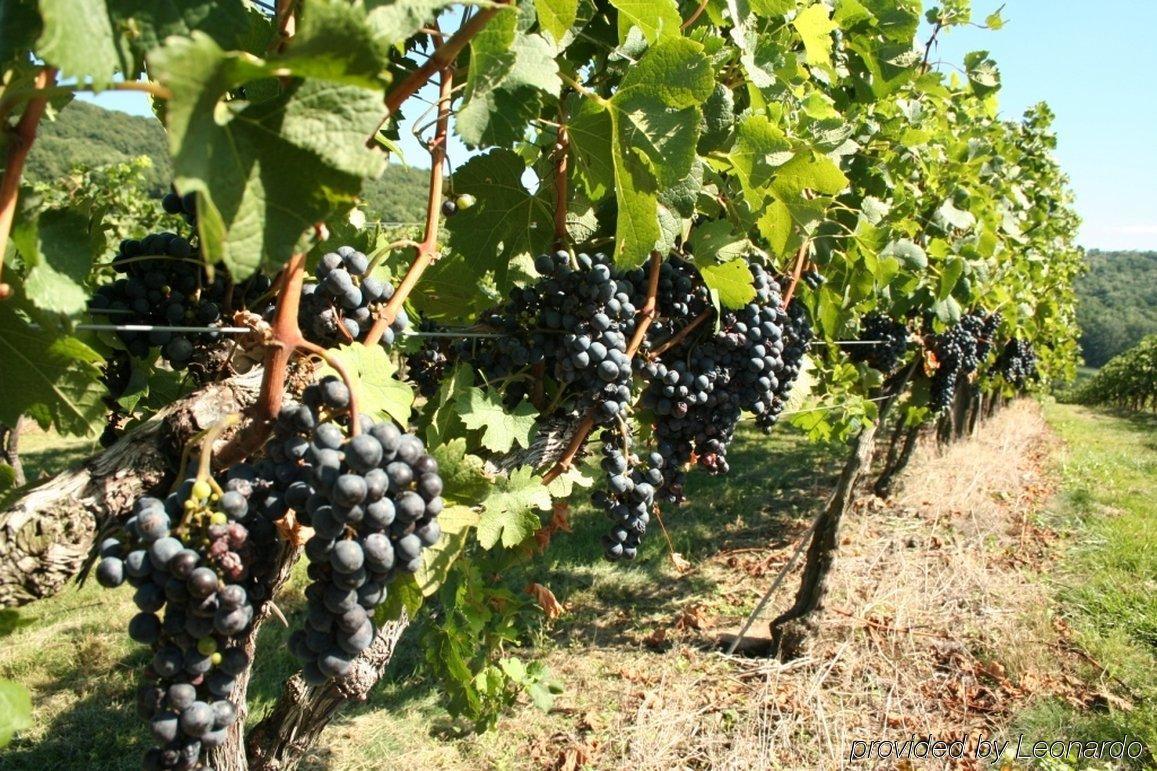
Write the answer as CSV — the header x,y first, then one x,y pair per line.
x,y
1117,303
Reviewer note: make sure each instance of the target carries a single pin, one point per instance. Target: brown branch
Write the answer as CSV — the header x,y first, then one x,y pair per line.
x,y
647,312
287,338
647,315
800,259
695,15
440,60
928,47
682,334
428,249
20,143
561,180
286,24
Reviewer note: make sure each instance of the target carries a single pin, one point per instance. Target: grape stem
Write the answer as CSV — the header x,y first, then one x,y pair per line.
x,y
20,144
800,259
695,15
647,315
440,60
427,250
561,180
208,437
682,334
335,362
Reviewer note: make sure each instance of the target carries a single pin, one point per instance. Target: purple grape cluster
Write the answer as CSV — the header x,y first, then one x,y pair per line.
x,y
372,500
199,561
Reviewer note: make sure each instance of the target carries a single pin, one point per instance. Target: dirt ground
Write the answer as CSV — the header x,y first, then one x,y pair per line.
x,y
937,623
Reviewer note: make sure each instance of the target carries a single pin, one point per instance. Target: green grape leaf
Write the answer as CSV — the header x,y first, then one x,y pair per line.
x,y
654,18
246,161
15,710
393,21
759,148
380,393
732,281
809,170
675,71
655,126
983,75
444,423
511,510
507,220
717,241
58,248
334,42
591,143
79,39
53,379
815,26
506,66
908,252
948,217
501,428
437,560
464,478
556,17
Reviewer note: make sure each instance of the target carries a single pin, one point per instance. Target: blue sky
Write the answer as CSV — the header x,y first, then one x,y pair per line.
x,y
1093,62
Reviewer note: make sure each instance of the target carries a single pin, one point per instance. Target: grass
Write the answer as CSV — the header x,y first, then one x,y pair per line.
x,y
1106,582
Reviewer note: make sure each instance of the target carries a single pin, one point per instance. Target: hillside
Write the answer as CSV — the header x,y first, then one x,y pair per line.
x,y
1117,303
84,134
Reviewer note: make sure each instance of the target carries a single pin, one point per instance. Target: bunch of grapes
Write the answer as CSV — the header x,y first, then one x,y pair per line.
x,y
985,329
427,366
797,335
338,307
575,323
629,494
1017,362
885,343
956,356
202,556
372,499
698,389
165,284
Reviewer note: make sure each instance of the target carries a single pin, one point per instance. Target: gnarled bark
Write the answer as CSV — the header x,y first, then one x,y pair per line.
x,y
292,727
791,629
48,529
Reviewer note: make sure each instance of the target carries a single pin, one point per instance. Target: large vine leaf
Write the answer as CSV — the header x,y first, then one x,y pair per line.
x,y
246,161
654,119
507,220
507,66
53,379
57,247
464,478
815,26
511,511
501,427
